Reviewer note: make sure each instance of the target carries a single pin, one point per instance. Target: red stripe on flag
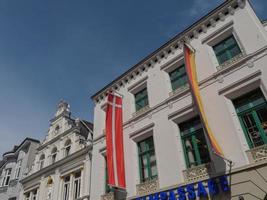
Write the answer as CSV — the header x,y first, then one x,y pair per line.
x,y
114,141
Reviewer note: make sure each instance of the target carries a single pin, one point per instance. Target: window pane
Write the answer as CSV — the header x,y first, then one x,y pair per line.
x,y
202,147
141,99
226,49
262,114
252,129
178,77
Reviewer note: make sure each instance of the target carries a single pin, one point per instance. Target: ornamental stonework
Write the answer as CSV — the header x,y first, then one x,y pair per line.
x,y
141,111
197,173
108,196
231,61
147,187
257,154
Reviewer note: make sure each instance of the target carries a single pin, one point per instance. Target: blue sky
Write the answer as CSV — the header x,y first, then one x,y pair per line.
x,y
64,49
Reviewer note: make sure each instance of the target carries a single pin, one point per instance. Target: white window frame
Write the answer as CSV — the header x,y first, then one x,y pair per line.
x,y
7,174
78,180
18,169
66,183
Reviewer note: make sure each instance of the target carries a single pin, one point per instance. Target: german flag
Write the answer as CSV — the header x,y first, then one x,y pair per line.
x,y
190,65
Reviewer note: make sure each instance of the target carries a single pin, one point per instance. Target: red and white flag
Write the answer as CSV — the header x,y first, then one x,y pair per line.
x,y
114,141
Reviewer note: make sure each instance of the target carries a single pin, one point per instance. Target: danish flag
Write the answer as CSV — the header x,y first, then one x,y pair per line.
x,y
114,142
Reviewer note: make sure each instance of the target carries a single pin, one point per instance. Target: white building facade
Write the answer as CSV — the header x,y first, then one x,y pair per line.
x,y
61,168
165,148
15,166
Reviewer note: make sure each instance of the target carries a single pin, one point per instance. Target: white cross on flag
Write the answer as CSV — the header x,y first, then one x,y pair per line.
x,y
114,142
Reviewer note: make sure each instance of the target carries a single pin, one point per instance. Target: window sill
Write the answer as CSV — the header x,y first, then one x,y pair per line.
x,y
147,187
141,111
3,189
231,61
179,90
198,173
108,196
257,154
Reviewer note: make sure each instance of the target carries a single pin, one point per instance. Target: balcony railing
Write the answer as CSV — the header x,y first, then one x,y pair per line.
x,y
257,154
197,173
147,187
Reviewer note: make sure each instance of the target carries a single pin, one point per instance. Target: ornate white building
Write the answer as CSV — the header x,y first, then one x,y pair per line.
x,y
166,152
15,166
61,168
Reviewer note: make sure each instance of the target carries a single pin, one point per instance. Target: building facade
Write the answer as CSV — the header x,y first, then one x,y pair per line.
x,y
61,169
14,166
167,155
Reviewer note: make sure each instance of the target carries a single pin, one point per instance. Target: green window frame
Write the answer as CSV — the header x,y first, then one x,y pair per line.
x,y
141,99
251,110
147,160
178,77
196,150
226,49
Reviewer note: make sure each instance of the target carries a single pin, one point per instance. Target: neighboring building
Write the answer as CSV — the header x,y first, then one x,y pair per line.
x,y
164,143
61,168
15,166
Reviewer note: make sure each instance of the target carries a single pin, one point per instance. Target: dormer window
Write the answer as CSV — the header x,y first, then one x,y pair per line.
x,y
41,161
67,147
18,168
57,129
53,155
6,177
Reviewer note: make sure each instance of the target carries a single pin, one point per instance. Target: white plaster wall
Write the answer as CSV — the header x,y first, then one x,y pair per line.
x,y
219,109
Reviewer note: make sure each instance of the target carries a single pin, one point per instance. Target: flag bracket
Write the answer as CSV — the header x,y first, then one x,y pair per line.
x,y
230,162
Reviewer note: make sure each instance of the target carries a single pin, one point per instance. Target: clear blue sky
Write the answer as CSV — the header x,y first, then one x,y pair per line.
x,y
66,49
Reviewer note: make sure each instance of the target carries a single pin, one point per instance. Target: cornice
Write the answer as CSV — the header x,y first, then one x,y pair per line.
x,y
192,32
57,164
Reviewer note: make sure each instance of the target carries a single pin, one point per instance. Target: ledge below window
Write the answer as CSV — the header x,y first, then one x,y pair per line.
x,y
147,187
198,173
108,196
231,61
179,90
141,111
257,154
3,189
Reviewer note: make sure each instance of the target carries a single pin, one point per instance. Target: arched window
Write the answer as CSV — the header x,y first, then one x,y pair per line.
x,y
67,147
53,155
41,161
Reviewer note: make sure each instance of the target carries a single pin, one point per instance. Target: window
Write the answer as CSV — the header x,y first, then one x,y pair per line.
x,y
66,188
54,155
178,77
18,168
77,184
147,159
42,159
141,99
67,147
226,49
6,177
252,113
194,143
27,196
34,195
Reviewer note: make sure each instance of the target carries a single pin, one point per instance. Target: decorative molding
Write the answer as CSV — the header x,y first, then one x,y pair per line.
x,y
147,187
3,189
257,154
179,90
175,44
198,173
141,111
108,196
231,61
143,130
